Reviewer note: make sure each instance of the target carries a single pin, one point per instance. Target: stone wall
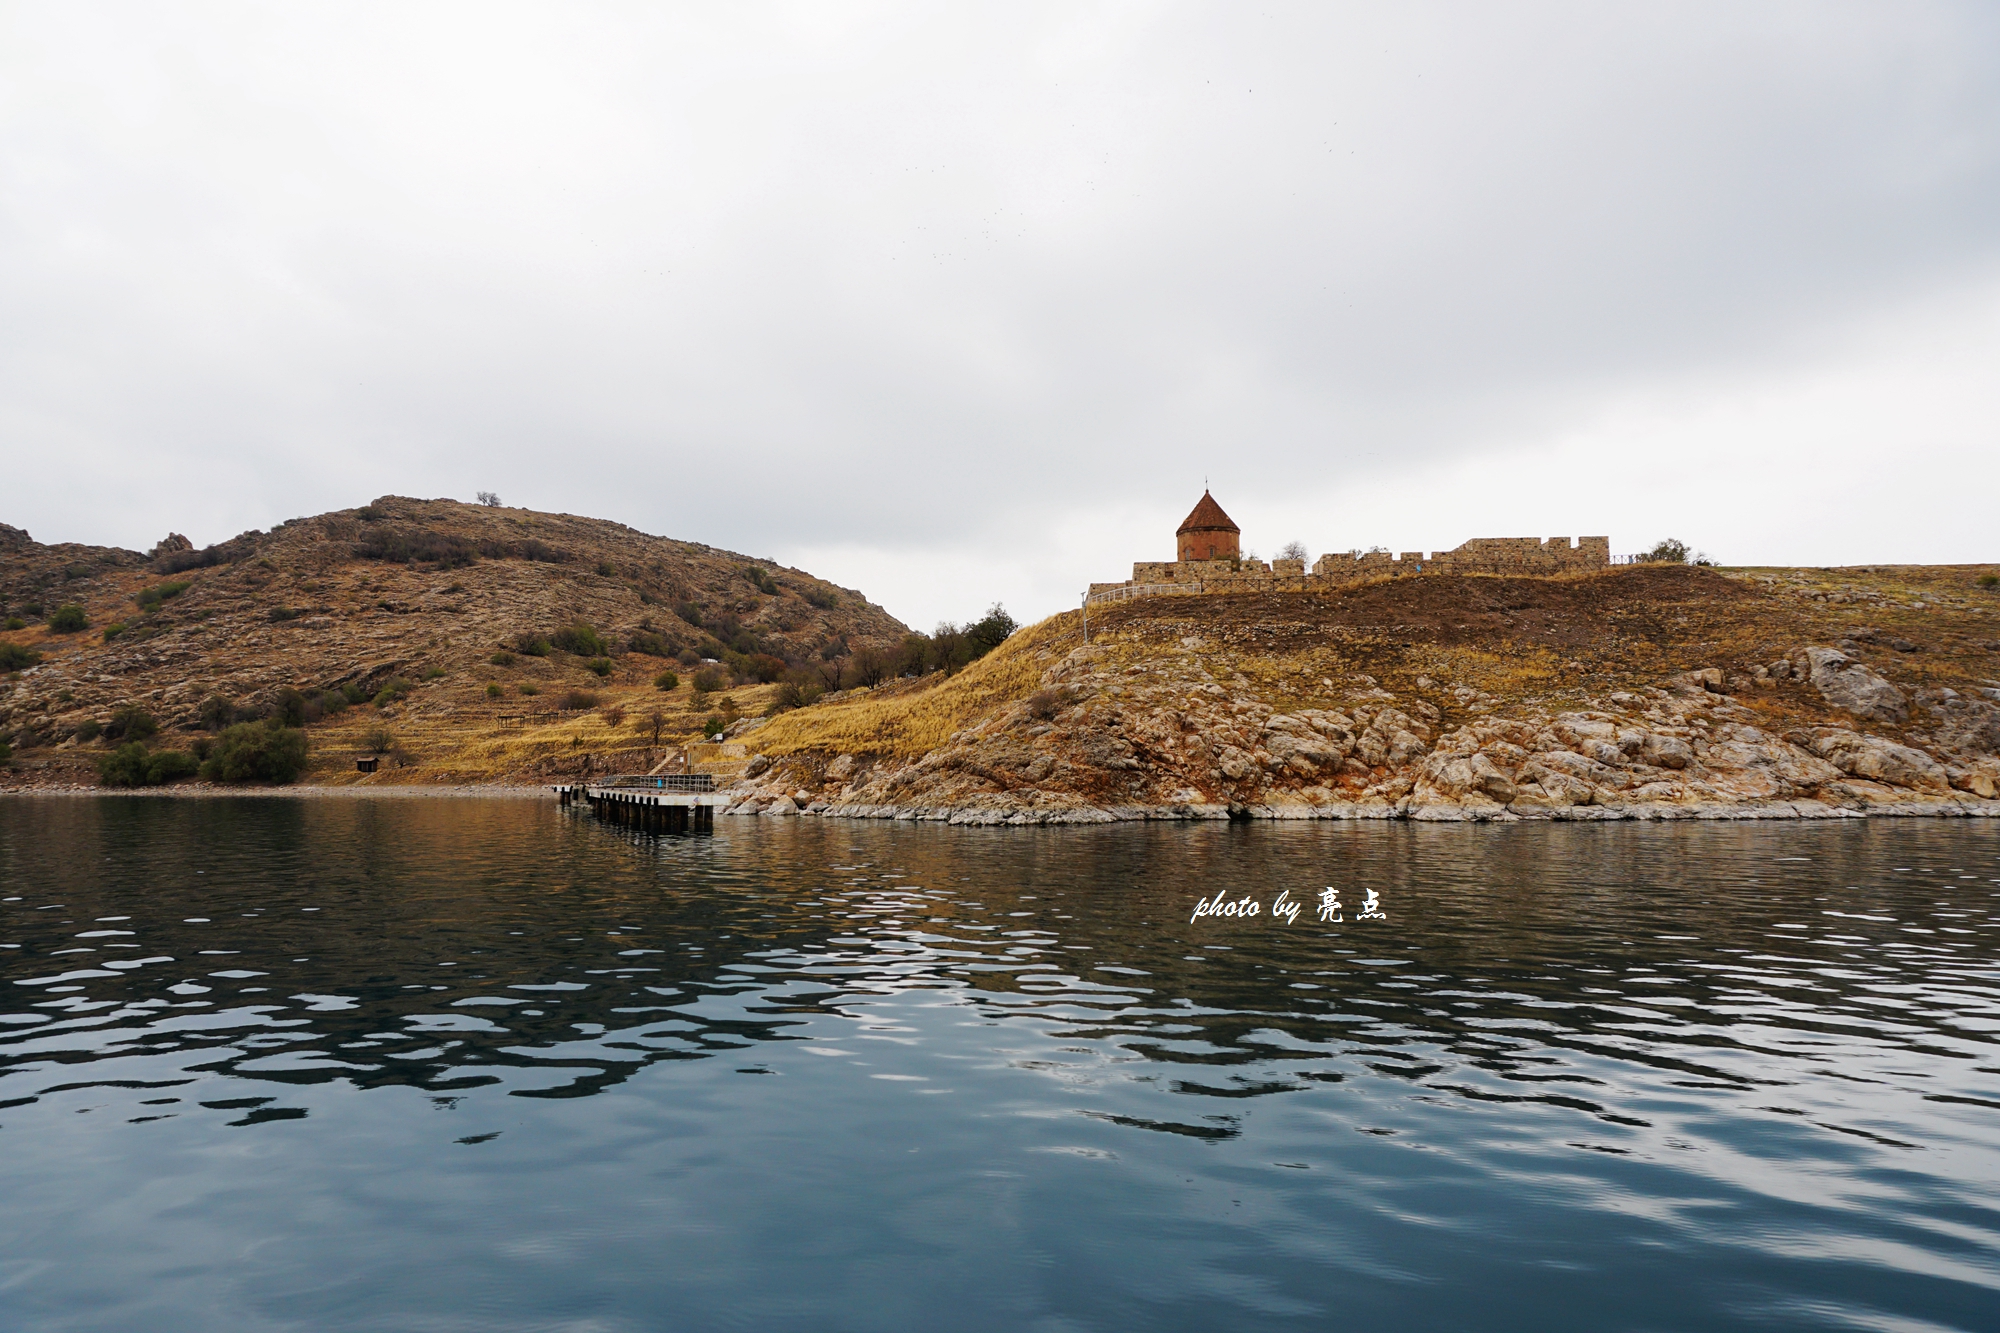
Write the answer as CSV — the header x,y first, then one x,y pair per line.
x,y
1482,555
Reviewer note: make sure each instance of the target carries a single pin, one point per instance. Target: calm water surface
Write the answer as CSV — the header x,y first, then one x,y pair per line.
x,y
482,1064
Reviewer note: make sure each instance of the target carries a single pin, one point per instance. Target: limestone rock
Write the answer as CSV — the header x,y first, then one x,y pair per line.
x,y
1877,760
1964,726
1847,684
1982,778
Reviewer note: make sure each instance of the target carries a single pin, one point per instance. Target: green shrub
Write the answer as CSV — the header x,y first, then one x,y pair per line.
x,y
294,708
33,608
824,598
493,690
666,680
502,658
282,613
1985,581
431,673
713,727
113,631
215,713
68,619
710,679
600,665
528,687
6,752
168,765
649,643
689,612
392,689
89,729
149,599
605,569
761,580
15,622
13,657
131,766
379,741
354,692
532,645
575,700
124,766
266,751
581,639
132,723
331,702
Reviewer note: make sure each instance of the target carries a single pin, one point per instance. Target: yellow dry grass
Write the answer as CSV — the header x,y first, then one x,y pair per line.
x,y
490,740
905,726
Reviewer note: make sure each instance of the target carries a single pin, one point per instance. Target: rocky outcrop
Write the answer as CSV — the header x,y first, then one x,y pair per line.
x,y
1665,754
1878,760
1244,714
1847,684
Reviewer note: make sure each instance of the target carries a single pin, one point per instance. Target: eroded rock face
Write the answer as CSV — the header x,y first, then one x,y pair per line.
x,y
1877,760
1179,730
1964,726
1847,684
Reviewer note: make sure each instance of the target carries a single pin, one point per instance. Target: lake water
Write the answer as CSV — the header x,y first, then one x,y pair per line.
x,y
482,1064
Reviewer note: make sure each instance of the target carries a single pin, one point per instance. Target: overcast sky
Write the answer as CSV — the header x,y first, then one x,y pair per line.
x,y
960,303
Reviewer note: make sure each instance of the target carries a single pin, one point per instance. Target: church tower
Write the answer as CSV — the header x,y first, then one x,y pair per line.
x,y
1208,534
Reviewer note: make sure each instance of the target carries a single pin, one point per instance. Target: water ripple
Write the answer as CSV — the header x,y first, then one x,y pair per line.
x,y
998,1078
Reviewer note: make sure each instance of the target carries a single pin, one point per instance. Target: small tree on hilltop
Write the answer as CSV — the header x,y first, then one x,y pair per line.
x,y
1670,551
1293,551
489,498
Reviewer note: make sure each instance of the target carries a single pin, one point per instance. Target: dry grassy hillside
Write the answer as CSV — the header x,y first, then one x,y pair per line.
x,y
418,591
1657,686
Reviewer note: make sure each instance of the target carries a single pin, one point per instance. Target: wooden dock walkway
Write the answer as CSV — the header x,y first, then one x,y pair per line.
x,y
664,803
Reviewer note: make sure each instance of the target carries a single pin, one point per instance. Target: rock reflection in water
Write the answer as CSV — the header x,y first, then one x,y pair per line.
x,y
1605,1052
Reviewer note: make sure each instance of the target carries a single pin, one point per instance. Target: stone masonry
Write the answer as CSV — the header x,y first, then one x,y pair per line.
x,y
1481,555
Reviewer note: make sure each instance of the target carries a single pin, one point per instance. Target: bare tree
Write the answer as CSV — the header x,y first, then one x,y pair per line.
x,y
1293,551
488,498
869,666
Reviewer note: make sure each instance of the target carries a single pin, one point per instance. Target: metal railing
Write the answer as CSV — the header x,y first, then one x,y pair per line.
x,y
1126,592
684,782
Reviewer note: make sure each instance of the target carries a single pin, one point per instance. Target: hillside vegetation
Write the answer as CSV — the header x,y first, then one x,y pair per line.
x,y
454,643
460,642
1650,690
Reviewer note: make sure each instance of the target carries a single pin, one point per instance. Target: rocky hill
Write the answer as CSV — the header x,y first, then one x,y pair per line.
x,y
1642,692
441,606
458,643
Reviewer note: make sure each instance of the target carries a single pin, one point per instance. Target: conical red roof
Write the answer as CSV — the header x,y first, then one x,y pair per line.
x,y
1207,516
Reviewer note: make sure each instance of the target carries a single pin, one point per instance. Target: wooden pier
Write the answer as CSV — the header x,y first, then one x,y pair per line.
x,y
669,803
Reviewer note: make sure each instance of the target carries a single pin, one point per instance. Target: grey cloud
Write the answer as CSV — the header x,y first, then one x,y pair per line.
x,y
783,278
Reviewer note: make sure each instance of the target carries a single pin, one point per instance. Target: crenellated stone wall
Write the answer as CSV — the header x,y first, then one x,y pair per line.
x,y
1482,555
